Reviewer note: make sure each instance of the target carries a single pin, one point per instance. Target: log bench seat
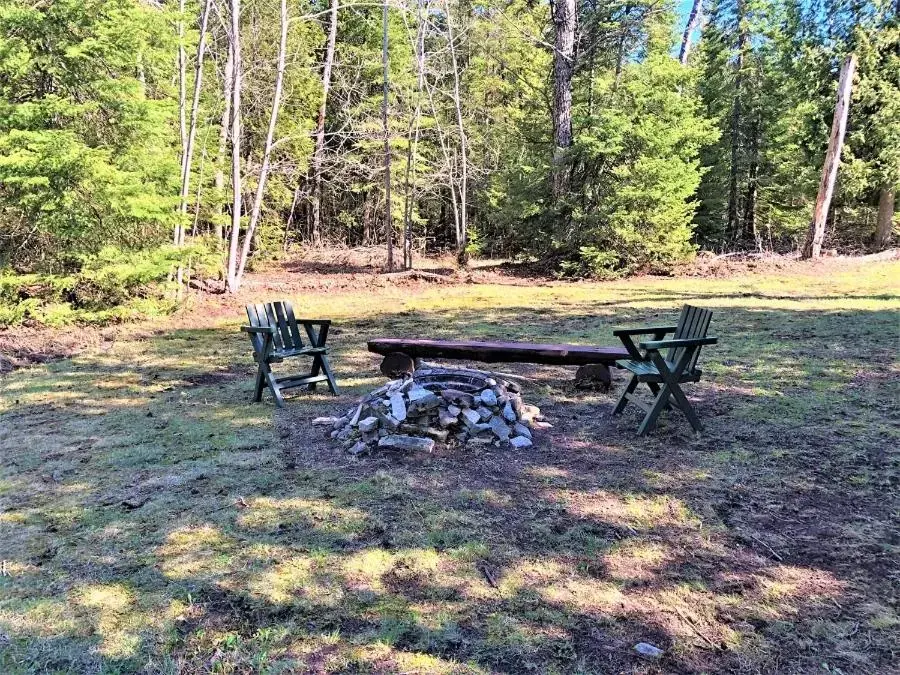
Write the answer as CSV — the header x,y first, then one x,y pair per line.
x,y
402,354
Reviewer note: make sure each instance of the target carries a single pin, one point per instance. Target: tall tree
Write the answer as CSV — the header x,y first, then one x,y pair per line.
x,y
388,220
327,65
814,238
231,277
563,68
693,21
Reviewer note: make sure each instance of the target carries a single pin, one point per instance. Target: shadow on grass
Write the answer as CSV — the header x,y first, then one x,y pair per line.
x,y
154,521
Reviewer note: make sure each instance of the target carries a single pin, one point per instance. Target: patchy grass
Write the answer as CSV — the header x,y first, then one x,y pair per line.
x,y
152,519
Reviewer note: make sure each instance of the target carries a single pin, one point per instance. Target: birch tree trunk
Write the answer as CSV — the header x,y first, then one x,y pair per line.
x,y
195,109
224,126
267,152
563,69
463,238
816,234
885,223
692,23
182,103
388,224
413,139
320,126
231,272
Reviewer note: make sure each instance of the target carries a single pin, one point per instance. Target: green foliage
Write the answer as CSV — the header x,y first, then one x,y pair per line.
x,y
110,286
86,158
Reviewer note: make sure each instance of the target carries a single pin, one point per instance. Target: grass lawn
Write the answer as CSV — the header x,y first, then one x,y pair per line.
x,y
153,520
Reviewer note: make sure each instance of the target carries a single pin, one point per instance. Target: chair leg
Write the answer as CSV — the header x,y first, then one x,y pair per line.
x,y
260,384
326,366
316,366
686,408
276,389
659,404
623,399
654,387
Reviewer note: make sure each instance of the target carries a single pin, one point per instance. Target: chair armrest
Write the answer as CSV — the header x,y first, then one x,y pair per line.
x,y
270,330
656,345
324,322
647,330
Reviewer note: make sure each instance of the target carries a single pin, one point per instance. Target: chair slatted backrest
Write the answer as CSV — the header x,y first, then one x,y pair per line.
x,y
693,323
279,315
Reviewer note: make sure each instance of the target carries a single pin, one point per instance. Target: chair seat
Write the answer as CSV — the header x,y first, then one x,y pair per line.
x,y
647,372
298,351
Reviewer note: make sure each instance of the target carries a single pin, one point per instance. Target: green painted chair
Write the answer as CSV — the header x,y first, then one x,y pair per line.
x,y
275,334
664,375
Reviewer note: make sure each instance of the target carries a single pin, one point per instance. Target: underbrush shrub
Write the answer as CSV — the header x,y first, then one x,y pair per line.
x,y
111,286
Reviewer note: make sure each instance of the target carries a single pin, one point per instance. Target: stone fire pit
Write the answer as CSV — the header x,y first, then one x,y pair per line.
x,y
449,406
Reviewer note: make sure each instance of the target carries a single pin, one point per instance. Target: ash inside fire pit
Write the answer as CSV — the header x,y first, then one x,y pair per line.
x,y
450,406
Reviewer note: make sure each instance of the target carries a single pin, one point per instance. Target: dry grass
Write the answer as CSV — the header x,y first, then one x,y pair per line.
x,y
152,520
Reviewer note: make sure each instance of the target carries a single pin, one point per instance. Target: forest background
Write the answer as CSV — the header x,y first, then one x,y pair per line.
x,y
144,143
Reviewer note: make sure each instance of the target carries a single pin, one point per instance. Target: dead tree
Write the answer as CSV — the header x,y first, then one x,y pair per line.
x,y
692,23
816,234
195,109
563,69
235,41
463,235
224,128
320,126
182,104
388,224
256,210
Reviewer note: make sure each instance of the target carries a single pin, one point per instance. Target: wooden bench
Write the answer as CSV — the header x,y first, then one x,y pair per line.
x,y
400,353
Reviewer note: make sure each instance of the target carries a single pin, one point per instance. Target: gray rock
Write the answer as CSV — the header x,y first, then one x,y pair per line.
x,y
458,398
517,405
541,425
478,442
358,448
340,422
513,387
440,435
480,428
417,392
325,421
424,404
521,430
445,419
508,413
648,651
520,442
398,407
406,443
454,410
499,427
488,397
470,418
484,412
368,424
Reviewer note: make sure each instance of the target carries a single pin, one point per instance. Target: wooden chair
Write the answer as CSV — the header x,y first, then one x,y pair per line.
x,y
275,334
679,365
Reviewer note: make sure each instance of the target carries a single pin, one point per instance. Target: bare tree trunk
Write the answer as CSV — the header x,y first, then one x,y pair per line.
x,y
736,113
413,139
270,139
463,240
388,224
692,23
231,273
195,109
320,125
182,104
814,238
884,224
750,229
563,68
224,126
